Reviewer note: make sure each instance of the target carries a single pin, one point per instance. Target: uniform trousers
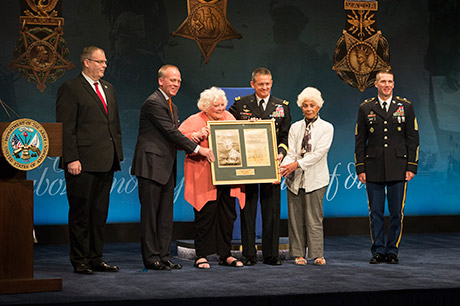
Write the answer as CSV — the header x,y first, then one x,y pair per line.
x,y
270,208
396,194
156,219
88,194
214,225
305,223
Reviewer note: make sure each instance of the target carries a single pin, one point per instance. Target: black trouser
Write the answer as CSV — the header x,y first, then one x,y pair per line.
x,y
214,225
88,194
156,219
270,208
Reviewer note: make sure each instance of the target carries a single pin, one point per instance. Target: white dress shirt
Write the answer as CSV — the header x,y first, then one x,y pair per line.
x,y
388,103
91,82
313,165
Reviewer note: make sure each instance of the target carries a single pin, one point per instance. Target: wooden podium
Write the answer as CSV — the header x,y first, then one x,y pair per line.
x,y
16,223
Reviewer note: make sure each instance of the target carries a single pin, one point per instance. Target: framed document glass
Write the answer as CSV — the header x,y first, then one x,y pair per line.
x,y
245,152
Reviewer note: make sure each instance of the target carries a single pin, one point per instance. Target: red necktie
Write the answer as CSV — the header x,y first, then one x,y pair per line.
x,y
101,97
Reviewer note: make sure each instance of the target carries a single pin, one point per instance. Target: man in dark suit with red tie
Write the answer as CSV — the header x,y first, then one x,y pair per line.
x,y
91,152
154,164
262,105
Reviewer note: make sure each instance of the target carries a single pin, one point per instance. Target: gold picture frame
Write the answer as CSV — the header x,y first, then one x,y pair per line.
x,y
245,152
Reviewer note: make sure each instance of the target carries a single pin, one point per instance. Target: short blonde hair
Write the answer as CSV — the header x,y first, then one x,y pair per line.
x,y
384,71
310,94
162,70
208,96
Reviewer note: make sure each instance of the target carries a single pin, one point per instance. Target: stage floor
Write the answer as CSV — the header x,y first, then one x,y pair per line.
x,y
428,263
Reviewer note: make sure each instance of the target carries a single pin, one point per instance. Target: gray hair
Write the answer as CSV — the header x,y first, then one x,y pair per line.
x,y
310,94
208,96
87,53
260,71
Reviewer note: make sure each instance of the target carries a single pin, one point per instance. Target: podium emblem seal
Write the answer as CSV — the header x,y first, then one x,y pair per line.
x,y
25,144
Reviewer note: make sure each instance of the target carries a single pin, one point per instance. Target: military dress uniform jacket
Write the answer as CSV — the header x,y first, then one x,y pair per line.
x,y
386,143
246,108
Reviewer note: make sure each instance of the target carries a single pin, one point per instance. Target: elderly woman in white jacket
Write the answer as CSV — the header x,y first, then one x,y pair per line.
x,y
307,177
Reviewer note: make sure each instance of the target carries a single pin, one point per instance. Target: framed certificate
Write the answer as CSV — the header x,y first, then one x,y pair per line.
x,y
245,152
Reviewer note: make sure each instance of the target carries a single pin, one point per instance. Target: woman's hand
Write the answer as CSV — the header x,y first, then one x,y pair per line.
x,y
200,135
289,168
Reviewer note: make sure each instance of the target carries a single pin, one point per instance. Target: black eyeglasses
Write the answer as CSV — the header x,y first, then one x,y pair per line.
x,y
100,62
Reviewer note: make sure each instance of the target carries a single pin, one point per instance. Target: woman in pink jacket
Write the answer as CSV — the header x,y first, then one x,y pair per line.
x,y
214,206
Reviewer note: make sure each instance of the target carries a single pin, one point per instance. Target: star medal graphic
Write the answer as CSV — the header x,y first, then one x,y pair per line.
x,y
25,144
361,51
207,24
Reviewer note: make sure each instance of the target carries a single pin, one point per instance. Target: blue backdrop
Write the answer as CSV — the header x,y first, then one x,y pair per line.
x,y
295,39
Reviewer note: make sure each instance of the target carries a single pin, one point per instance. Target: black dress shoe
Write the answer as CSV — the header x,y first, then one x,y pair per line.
x,y
249,261
273,261
172,265
82,269
158,265
104,267
377,258
392,259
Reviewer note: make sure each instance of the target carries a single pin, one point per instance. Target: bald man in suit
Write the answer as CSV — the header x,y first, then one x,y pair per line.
x,y
92,151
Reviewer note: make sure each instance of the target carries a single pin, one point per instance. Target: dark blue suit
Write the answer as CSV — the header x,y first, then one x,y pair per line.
x,y
386,146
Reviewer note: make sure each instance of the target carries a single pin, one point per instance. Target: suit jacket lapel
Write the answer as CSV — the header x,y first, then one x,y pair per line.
x,y
174,116
252,105
270,107
91,91
392,108
378,109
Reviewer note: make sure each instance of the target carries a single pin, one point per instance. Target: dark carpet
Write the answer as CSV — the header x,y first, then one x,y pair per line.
x,y
428,274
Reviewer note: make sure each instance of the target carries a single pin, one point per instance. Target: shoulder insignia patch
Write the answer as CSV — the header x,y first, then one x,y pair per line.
x,y
403,99
368,100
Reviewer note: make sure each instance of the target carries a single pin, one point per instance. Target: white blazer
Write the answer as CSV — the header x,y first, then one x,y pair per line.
x,y
313,165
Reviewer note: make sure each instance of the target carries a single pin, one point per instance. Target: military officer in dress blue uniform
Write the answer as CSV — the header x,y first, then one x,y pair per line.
x,y
262,105
386,157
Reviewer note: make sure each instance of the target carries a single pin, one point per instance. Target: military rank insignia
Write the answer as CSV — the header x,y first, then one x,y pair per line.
x,y
41,54
207,24
361,51
25,144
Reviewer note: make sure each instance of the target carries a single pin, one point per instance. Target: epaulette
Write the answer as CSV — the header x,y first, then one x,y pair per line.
x,y
368,100
285,102
238,98
402,99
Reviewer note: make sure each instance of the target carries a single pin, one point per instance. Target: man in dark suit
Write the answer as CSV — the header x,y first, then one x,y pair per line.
x,y
154,164
91,152
262,105
386,157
